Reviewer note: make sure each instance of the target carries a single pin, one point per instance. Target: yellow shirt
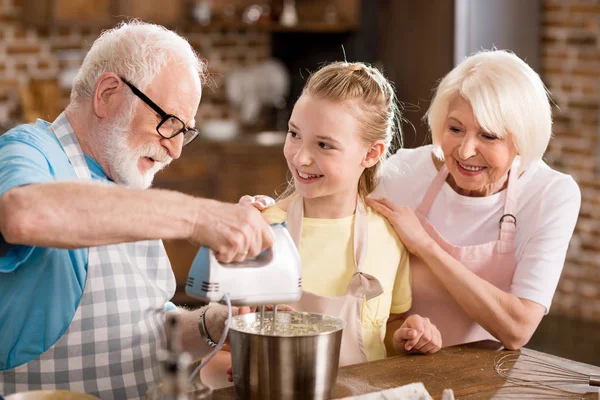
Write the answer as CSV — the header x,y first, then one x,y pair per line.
x,y
327,255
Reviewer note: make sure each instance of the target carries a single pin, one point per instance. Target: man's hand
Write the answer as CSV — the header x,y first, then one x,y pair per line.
x,y
418,335
260,202
235,232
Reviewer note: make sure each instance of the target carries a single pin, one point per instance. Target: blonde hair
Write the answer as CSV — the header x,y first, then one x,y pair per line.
x,y
374,106
507,97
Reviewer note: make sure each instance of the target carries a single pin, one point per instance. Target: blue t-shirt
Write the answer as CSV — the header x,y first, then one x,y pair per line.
x,y
40,288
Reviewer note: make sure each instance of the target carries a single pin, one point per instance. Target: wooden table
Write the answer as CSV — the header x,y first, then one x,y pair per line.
x,y
466,369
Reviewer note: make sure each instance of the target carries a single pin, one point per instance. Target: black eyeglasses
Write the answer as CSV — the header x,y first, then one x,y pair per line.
x,y
169,125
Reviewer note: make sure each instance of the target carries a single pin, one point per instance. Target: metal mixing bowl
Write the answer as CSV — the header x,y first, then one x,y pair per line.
x,y
297,360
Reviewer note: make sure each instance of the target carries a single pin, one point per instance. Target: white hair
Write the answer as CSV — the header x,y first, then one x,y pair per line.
x,y
136,51
507,97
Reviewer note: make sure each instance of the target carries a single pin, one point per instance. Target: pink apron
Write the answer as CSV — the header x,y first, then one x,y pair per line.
x,y
493,261
362,286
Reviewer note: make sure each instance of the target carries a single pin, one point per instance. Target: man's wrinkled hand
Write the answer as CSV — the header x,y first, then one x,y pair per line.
x,y
234,232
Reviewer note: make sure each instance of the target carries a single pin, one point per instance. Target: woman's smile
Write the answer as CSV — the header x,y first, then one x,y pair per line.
x,y
469,170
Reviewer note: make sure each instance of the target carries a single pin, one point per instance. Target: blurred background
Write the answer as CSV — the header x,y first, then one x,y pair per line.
x,y
259,53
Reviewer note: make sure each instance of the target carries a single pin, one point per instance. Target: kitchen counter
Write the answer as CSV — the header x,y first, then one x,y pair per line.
x,y
466,369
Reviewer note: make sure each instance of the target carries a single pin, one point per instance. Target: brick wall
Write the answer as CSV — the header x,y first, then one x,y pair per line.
x,y
27,55
571,70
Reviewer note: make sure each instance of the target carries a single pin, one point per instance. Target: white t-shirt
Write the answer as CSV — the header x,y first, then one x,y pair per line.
x,y
547,208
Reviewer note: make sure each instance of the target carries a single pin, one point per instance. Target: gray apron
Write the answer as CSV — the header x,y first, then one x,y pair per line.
x,y
109,349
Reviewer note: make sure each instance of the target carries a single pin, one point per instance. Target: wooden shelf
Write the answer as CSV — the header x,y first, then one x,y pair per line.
x,y
176,14
321,27
308,27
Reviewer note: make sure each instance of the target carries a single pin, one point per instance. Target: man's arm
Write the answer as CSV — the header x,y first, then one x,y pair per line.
x,y
215,319
191,341
80,214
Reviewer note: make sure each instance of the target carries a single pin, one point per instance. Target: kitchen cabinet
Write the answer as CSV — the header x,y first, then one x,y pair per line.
x,y
221,170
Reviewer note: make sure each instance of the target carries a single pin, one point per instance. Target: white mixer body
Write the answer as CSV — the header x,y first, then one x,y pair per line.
x,y
274,277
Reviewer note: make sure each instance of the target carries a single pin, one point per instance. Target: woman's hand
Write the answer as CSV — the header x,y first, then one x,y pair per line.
x,y
405,222
260,202
418,335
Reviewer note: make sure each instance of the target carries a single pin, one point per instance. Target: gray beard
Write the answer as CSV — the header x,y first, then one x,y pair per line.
x,y
123,161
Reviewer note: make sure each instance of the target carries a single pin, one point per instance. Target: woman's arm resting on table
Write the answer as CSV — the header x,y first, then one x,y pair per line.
x,y
510,319
507,317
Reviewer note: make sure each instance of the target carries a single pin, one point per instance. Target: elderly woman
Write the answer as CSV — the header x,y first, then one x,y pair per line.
x,y
487,222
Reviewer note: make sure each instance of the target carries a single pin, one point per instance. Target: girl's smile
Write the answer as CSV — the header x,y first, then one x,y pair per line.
x,y
304,177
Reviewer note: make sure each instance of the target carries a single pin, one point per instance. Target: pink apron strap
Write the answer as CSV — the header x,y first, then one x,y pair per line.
x,y
361,284
295,214
361,235
433,190
508,221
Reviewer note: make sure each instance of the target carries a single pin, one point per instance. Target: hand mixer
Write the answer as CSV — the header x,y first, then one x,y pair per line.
x,y
273,277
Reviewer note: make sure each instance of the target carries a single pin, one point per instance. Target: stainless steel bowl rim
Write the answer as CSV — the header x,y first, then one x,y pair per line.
x,y
336,319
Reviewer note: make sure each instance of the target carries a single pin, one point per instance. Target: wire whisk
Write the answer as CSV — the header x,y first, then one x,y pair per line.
x,y
526,370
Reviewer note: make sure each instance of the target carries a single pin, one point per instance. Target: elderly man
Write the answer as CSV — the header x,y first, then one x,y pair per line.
x,y
84,278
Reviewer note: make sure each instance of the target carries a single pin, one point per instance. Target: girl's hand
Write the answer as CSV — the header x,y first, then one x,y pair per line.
x,y
418,335
405,222
260,202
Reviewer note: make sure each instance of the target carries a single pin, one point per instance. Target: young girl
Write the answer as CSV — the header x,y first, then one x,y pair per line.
x,y
353,265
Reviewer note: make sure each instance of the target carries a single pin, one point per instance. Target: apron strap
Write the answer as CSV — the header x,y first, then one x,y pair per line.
x,y
361,235
367,285
508,221
433,190
295,215
361,284
64,133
